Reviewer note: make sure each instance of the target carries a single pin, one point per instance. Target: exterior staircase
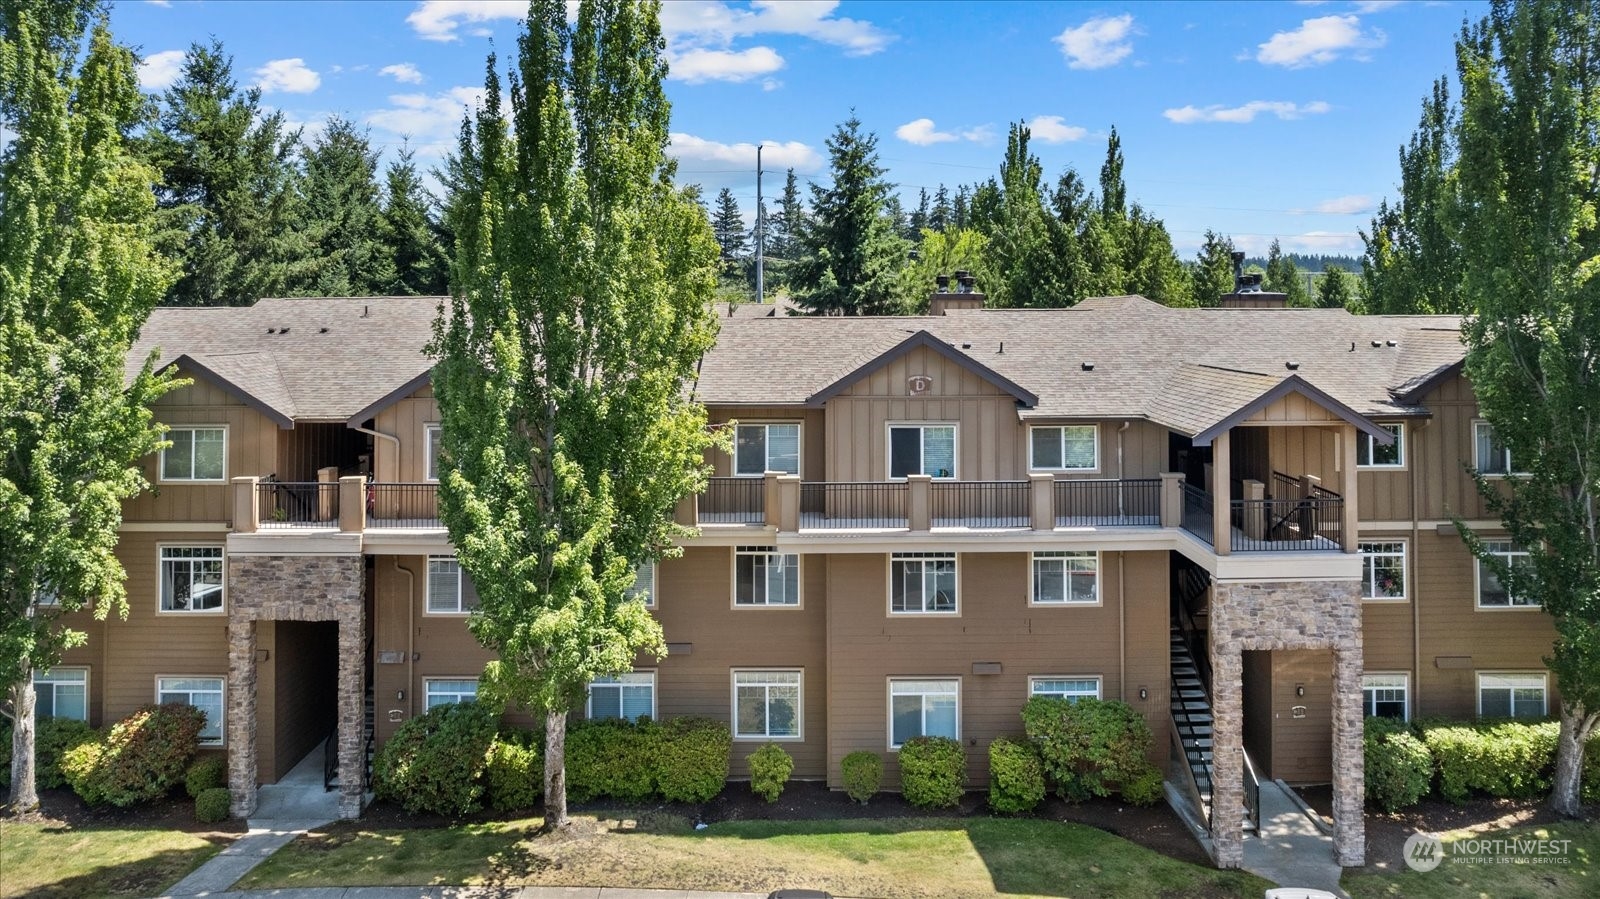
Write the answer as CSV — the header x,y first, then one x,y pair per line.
x,y
1191,716
331,773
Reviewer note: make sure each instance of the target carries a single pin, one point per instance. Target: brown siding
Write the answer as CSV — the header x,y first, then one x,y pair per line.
x,y
311,446
1441,451
813,441
305,679
1385,493
1258,723
407,421
1292,407
1302,748
1306,450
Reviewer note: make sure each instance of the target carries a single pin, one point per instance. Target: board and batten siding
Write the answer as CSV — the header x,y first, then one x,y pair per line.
x,y
407,421
813,442
252,452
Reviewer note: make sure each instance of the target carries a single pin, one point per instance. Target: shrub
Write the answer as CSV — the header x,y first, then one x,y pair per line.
x,y
863,774
1399,768
1089,745
434,762
1591,771
5,752
932,771
770,767
1499,758
612,758
205,774
693,759
211,805
54,737
1144,788
514,771
141,758
1016,777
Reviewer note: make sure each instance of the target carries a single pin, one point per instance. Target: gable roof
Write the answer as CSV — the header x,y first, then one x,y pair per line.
x,y
922,339
1293,384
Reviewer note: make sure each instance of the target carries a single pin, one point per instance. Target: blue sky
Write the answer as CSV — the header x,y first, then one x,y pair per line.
x,y
1258,120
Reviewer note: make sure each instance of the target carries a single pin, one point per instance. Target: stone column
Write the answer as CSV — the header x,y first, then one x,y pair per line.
x,y
1227,753
352,714
241,712
1349,784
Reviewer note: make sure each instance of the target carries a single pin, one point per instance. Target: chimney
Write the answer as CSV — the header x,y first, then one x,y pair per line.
x,y
943,299
1247,292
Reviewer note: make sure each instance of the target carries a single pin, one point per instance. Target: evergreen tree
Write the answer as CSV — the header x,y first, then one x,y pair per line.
x,y
919,217
788,221
1333,289
1213,270
959,208
850,256
78,277
1284,277
984,206
344,222
1019,251
941,215
895,212
411,235
582,285
727,225
1154,271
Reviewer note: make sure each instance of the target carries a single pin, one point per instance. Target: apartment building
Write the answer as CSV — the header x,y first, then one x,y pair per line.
x,y
1236,520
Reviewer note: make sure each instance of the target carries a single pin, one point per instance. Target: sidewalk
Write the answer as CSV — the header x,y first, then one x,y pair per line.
x,y
485,893
1289,850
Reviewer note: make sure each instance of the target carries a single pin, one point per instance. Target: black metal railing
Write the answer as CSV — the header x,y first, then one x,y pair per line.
x,y
829,505
1197,512
330,760
1294,525
1108,503
1285,486
1320,492
981,504
402,505
734,501
287,504
1183,719
1252,793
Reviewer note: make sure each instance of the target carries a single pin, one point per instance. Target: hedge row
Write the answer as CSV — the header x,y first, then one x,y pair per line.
x,y
1455,760
681,760
1086,747
142,757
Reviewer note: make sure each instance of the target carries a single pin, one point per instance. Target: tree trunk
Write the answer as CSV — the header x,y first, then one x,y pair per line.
x,y
555,770
24,795
1566,791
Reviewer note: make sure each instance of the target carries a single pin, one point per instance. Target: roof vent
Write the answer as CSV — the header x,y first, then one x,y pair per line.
x,y
966,346
1377,343
944,283
1391,343
272,330
283,330
1292,366
322,330
1088,366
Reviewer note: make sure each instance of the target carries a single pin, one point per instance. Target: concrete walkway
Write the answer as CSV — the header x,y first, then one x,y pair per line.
x,y
1289,850
485,893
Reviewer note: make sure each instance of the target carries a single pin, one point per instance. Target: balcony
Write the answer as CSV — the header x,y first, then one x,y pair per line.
x,y
297,505
396,506
1301,516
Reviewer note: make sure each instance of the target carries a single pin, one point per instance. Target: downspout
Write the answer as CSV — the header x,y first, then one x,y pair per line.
x,y
1415,693
389,437
411,637
1122,591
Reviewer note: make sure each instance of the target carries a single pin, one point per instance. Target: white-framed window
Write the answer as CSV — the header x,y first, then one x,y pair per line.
x,y
1065,578
762,576
450,591
758,449
197,453
1372,454
644,584
1383,570
767,704
1386,696
448,690
922,449
924,707
625,696
1064,448
1513,695
204,693
1071,689
1491,593
922,584
191,578
431,438
1489,455
61,693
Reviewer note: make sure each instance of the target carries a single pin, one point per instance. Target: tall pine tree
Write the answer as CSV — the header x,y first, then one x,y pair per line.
x,y
411,234
1213,270
850,255
343,216
727,225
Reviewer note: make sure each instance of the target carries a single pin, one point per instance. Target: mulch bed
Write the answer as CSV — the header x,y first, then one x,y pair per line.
x,y
176,812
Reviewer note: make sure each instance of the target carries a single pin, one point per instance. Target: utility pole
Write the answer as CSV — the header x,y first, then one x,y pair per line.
x,y
761,229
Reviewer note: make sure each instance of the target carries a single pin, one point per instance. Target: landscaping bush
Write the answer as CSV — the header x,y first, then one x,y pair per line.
x,y
770,768
53,738
1399,768
693,759
932,771
863,774
205,774
434,763
212,805
5,752
1144,788
1089,745
141,758
1016,777
614,758
1591,771
1504,759
513,773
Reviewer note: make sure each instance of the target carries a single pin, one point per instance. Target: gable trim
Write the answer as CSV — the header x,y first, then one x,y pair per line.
x,y
1295,384
925,339
1414,396
190,363
390,398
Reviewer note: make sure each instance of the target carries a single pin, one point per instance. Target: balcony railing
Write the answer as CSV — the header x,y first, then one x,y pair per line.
x,y
981,504
285,504
403,506
1197,512
1108,503
733,501
1288,525
840,506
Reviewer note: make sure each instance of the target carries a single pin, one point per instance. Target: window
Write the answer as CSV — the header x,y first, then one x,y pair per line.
x,y
1071,689
1491,593
1066,578
1372,454
766,704
923,708
204,693
625,696
1068,448
1511,696
762,576
449,690
450,591
62,693
758,449
922,583
191,578
196,454
1383,570
431,435
1489,454
644,584
922,449
1384,696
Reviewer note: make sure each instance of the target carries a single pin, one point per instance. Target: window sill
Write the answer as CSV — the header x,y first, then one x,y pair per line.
x,y
1518,608
1387,599
201,613
1065,605
204,482
745,739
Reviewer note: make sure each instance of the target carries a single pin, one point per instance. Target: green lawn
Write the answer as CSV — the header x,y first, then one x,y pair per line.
x,y
51,859
909,857
1456,880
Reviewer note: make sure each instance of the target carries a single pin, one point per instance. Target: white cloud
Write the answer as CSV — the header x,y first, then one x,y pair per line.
x,y
1052,129
1239,115
160,70
922,133
403,72
287,75
774,155
437,20
770,84
430,122
700,65
1338,242
1366,6
1350,205
1318,42
979,134
164,4
1098,43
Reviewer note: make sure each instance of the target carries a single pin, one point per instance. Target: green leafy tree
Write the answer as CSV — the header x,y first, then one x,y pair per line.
x,y
1283,276
727,225
344,222
1153,269
940,253
1528,187
1213,270
78,277
1334,289
411,235
1020,253
581,281
851,255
